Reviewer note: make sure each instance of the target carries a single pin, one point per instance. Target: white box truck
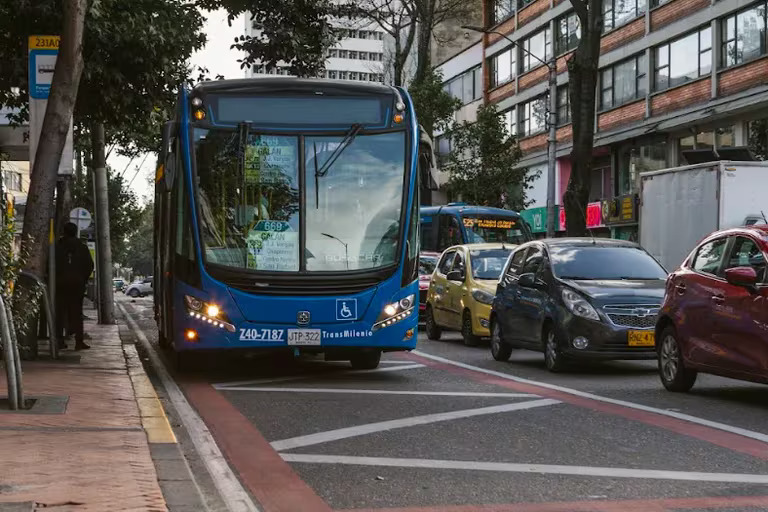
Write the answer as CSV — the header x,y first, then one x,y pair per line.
x,y
682,205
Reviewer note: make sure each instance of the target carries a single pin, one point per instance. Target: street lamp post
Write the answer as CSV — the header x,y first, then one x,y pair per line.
x,y
551,120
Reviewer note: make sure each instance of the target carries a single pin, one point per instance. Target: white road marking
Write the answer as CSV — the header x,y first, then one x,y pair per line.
x,y
685,417
370,428
227,385
231,491
655,474
378,392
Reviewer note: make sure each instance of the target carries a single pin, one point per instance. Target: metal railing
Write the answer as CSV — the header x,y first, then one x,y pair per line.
x,y
53,345
11,357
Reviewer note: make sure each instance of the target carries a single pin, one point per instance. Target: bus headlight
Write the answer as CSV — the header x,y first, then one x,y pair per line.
x,y
395,312
208,313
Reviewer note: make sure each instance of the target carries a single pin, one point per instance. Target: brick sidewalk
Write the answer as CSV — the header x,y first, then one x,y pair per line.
x,y
95,454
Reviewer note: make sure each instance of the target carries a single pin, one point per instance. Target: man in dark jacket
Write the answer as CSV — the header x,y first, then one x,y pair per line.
x,y
74,266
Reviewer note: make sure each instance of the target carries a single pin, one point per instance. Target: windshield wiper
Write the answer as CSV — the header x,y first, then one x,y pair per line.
x,y
322,171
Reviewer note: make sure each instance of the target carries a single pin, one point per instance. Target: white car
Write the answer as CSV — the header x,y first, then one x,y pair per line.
x,y
140,288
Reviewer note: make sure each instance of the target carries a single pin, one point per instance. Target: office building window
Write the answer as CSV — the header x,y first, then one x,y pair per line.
x,y
563,105
510,121
333,52
343,54
620,12
623,82
523,3
744,35
466,87
363,56
503,10
533,116
502,67
657,3
352,54
343,75
12,181
568,33
538,45
683,60
332,75
353,75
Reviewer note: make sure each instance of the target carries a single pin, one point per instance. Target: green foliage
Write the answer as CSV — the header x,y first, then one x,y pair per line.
x,y
124,210
135,55
482,163
758,138
434,106
139,249
296,32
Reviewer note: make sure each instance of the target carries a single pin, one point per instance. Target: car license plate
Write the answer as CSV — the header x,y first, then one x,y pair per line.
x,y
303,336
642,339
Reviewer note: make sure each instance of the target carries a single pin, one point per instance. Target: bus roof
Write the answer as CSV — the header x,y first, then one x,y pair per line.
x,y
467,209
289,84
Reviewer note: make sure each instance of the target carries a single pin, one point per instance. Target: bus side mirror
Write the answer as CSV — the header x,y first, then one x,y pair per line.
x,y
167,158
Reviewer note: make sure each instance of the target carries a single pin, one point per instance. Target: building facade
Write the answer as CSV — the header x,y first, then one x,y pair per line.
x,y
675,75
359,55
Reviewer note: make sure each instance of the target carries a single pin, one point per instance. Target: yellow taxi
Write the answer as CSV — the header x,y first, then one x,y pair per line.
x,y
462,289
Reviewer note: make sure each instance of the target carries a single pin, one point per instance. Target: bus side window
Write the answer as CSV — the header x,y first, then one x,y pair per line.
x,y
182,223
427,234
450,232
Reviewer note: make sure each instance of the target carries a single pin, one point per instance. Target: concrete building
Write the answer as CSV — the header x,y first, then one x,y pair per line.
x,y
675,75
359,55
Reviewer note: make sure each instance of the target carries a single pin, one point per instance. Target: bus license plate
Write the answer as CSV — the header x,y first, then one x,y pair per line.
x,y
303,336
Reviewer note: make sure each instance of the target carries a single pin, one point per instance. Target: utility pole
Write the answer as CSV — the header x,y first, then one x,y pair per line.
x,y
103,246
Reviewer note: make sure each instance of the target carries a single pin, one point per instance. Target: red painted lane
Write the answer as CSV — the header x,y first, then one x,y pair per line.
x,y
658,505
270,479
722,438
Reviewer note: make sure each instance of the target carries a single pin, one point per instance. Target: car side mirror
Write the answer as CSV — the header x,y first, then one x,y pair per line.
x,y
741,276
529,280
455,275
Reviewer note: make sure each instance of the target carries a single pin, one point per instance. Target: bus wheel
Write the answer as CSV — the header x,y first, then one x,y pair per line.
x,y
366,360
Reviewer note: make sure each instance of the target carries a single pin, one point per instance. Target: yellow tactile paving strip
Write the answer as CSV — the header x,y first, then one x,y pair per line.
x,y
153,417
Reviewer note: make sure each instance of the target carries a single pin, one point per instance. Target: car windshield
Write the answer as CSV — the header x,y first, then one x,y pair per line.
x,y
251,214
427,265
604,263
488,263
482,229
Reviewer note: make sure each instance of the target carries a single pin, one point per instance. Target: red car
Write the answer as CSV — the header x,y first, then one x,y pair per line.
x,y
427,264
714,318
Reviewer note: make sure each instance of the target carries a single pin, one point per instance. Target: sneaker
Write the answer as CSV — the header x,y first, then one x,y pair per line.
x,y
81,346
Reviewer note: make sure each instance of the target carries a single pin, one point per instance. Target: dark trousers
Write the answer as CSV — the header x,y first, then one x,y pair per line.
x,y
69,313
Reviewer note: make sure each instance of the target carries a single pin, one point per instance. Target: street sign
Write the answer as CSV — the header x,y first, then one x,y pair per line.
x,y
81,217
42,61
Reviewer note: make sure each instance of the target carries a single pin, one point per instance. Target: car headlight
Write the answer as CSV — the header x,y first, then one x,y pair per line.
x,y
395,312
482,296
578,305
207,312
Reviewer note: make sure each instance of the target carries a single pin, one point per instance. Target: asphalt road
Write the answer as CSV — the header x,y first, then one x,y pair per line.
x,y
447,426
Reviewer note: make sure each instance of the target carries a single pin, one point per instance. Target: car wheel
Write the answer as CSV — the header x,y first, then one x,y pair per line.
x,y
674,375
368,360
470,339
499,350
433,331
553,356
133,292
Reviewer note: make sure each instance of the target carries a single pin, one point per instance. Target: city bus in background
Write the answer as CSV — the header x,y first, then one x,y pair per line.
x,y
458,223
287,218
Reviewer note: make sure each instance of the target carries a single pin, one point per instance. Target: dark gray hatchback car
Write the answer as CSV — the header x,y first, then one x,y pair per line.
x,y
578,299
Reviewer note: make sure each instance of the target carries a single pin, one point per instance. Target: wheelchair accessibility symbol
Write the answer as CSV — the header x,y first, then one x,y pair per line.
x,y
346,309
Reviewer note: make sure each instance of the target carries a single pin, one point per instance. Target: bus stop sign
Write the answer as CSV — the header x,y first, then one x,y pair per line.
x,y
81,217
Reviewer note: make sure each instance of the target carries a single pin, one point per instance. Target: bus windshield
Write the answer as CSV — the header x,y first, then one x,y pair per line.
x,y
251,214
492,229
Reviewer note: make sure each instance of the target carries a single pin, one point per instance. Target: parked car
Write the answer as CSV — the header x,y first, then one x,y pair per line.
x,y
578,299
427,264
140,288
461,290
714,318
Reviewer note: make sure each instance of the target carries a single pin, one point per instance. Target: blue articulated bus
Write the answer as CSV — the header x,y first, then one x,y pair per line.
x,y
459,223
287,218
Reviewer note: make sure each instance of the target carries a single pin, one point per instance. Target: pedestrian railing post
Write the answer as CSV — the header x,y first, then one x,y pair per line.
x,y
16,356
9,357
49,313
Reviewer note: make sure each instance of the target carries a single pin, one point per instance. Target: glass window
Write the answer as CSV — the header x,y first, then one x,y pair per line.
x,y
465,87
568,33
538,45
447,262
743,35
510,119
620,12
683,60
533,116
450,231
623,82
533,260
515,264
604,262
746,253
502,67
563,105
427,265
352,54
458,265
709,257
488,263
502,10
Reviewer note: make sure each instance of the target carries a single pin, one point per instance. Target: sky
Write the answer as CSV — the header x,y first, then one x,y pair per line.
x,y
219,59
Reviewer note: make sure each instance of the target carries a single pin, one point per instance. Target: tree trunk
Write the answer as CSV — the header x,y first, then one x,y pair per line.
x,y
397,63
53,136
424,44
103,242
582,83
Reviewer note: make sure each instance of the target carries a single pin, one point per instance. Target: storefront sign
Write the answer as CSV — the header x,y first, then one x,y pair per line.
x,y
594,216
620,210
537,218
